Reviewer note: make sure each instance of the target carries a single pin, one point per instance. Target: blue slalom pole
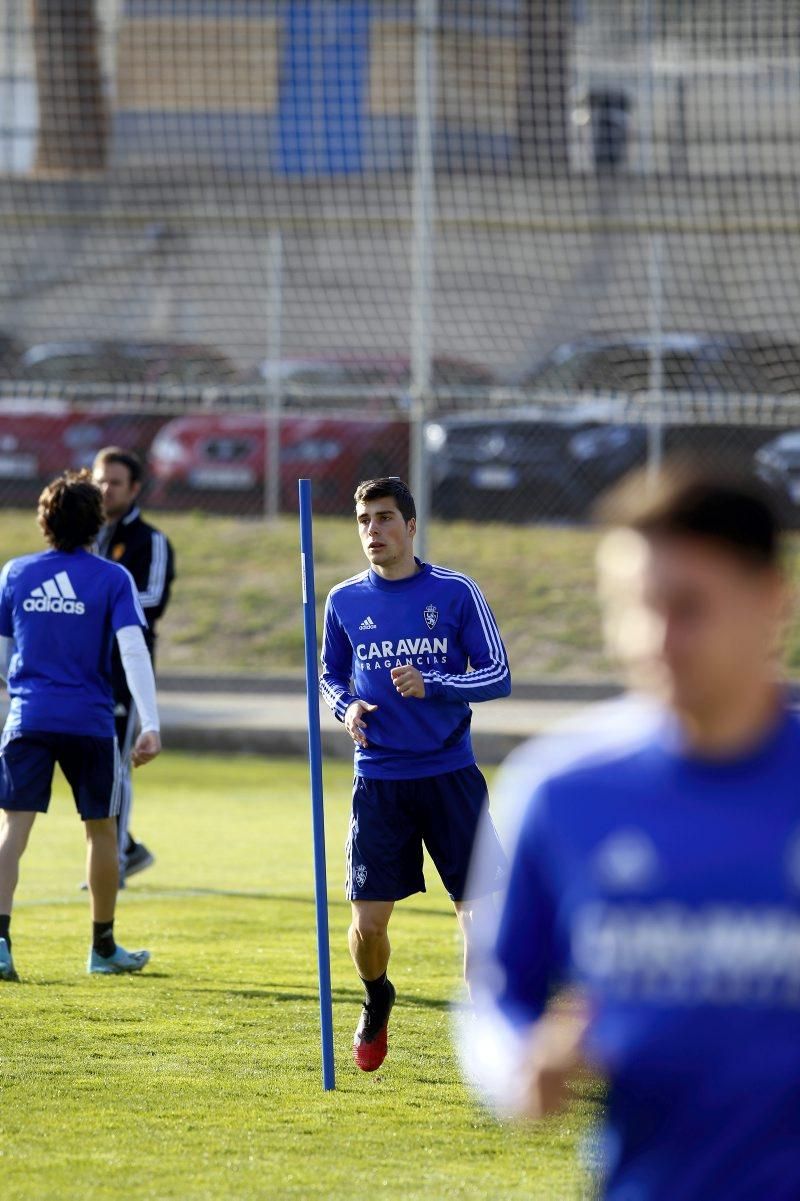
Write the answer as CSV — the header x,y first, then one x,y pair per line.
x,y
315,764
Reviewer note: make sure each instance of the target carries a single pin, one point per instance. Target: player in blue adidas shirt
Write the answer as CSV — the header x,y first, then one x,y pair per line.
x,y
408,647
60,613
651,928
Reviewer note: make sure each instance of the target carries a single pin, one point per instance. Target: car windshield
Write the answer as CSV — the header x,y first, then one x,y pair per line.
x,y
190,369
616,369
449,374
377,385
711,367
345,385
341,376
86,368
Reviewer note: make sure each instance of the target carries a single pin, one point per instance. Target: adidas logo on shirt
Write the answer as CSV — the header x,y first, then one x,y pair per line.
x,y
368,624
54,596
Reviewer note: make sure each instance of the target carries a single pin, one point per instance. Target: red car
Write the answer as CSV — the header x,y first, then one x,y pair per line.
x,y
41,437
41,434
227,456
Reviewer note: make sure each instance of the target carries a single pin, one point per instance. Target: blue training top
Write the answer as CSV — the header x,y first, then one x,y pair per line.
x,y
63,610
438,621
668,888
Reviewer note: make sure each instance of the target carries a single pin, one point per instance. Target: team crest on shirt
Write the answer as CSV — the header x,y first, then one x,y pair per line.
x,y
626,860
361,875
431,615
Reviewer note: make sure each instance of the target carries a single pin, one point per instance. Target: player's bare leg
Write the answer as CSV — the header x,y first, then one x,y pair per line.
x,y
102,872
370,950
471,915
102,867
15,828
369,938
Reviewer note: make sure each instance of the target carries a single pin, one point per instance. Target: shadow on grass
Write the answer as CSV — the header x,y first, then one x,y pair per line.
x,y
189,891
276,994
76,981
340,996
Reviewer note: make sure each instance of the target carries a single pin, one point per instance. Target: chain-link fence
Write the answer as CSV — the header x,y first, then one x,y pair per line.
x,y
507,247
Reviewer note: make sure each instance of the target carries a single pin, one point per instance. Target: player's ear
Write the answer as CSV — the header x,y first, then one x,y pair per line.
x,y
412,526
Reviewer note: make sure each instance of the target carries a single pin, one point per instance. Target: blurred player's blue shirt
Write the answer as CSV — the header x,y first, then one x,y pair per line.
x,y
63,610
437,620
667,888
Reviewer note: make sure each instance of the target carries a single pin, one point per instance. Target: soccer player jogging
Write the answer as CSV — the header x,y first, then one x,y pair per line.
x,y
60,613
651,928
127,539
407,648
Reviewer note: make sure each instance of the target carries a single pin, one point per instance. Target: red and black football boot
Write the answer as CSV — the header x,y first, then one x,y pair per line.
x,y
371,1039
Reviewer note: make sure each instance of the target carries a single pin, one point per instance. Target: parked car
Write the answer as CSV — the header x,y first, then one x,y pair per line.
x,y
37,440
222,458
381,383
525,463
41,437
121,361
45,429
691,363
557,434
345,419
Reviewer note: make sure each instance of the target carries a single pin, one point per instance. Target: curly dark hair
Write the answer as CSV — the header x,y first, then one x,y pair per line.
x,y
70,511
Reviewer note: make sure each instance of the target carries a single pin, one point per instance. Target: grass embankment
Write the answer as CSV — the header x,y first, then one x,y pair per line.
x,y
199,1080
236,604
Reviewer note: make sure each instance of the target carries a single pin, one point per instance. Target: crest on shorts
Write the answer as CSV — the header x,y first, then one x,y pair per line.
x,y
431,615
361,875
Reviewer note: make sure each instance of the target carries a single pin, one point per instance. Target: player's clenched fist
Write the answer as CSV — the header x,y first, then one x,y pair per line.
x,y
408,681
354,721
148,745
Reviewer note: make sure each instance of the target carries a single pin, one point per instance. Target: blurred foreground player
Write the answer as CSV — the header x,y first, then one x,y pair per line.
x,y
127,539
60,613
660,880
399,639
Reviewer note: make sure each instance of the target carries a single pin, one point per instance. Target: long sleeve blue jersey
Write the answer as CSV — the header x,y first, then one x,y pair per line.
x,y
667,888
437,620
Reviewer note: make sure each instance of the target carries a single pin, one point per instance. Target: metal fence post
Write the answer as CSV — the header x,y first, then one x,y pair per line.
x,y
422,271
655,383
274,389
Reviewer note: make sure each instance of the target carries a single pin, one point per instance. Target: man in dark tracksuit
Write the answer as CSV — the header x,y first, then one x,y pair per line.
x,y
127,539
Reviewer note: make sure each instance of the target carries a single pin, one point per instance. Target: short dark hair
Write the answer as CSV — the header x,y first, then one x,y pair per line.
x,y
126,458
388,485
70,511
727,505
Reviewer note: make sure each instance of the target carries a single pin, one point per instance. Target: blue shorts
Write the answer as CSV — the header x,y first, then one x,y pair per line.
x,y
392,819
90,765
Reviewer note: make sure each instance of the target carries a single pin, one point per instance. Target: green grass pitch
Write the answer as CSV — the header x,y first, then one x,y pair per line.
x,y
201,1077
